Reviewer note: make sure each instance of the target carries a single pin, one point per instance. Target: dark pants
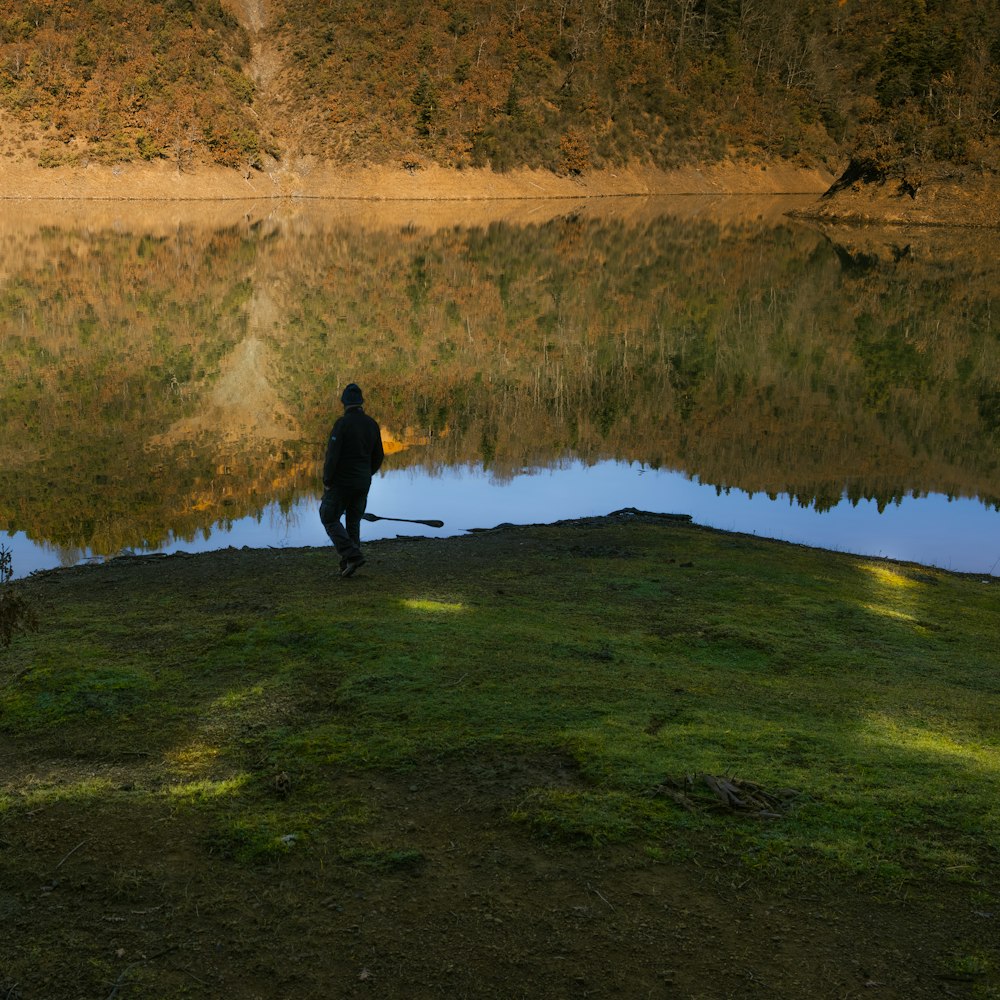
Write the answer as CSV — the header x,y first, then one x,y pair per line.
x,y
348,503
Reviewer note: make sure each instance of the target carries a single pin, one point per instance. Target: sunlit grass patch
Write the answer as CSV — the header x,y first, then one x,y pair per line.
x,y
935,745
431,606
888,577
888,612
36,796
205,789
193,758
240,698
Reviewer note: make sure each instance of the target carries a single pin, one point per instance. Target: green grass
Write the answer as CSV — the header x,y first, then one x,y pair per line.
x,y
871,689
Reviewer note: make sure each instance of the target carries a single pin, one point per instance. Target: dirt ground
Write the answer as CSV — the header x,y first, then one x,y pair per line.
x,y
969,201
309,178
475,906
972,202
485,912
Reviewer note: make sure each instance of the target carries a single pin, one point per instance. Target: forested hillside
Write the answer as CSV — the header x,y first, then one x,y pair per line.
x,y
566,85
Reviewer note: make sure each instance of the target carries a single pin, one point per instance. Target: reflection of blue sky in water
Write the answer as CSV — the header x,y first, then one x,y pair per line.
x,y
959,535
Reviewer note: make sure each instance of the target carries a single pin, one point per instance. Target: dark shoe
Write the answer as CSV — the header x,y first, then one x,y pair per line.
x,y
352,565
343,563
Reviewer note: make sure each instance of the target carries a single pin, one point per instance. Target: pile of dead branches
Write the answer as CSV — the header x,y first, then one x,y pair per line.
x,y
708,792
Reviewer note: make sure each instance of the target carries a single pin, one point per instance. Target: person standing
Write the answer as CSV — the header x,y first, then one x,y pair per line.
x,y
354,454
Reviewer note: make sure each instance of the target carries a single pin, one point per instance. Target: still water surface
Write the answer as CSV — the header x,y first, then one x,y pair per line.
x,y
169,377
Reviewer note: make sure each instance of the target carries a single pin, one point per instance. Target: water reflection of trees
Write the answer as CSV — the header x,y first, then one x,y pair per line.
x,y
767,358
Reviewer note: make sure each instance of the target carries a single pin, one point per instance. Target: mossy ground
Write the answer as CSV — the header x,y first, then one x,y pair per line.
x,y
236,774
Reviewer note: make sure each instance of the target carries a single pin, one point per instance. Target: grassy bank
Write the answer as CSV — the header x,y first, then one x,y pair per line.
x,y
496,765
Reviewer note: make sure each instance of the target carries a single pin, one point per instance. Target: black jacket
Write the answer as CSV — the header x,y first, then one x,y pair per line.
x,y
354,452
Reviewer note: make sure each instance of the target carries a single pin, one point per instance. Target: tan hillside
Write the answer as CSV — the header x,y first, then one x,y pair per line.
x,y
257,98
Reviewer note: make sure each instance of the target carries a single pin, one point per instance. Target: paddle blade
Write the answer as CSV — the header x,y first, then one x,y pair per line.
x,y
404,520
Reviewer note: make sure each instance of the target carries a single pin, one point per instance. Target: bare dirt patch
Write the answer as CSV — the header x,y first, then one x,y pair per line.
x,y
309,178
242,404
459,904
969,200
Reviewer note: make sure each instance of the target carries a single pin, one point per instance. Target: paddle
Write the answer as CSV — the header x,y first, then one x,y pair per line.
x,y
407,520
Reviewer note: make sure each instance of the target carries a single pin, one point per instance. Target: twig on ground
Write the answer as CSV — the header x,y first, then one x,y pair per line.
x,y
67,856
600,897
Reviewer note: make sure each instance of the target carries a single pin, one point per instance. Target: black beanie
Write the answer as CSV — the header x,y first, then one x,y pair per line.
x,y
351,396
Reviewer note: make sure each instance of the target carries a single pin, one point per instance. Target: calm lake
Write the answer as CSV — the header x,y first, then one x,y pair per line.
x,y
170,372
